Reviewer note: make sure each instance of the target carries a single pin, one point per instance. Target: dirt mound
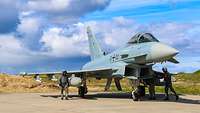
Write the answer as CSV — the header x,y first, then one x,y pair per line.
x,y
24,84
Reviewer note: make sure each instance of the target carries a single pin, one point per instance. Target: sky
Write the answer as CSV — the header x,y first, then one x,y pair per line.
x,y
50,35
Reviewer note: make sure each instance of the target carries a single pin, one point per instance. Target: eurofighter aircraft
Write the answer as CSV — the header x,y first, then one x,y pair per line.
x,y
134,62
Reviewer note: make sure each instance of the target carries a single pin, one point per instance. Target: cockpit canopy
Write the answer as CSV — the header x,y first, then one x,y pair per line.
x,y
142,38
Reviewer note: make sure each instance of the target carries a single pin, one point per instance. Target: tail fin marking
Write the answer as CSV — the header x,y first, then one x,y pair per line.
x,y
95,49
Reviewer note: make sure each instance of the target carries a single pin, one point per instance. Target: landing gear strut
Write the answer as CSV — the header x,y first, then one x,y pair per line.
x,y
82,91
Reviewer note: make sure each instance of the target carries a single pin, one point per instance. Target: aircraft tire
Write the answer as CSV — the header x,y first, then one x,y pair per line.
x,y
133,96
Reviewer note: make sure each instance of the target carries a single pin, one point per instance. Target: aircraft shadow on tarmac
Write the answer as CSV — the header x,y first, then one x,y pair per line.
x,y
159,97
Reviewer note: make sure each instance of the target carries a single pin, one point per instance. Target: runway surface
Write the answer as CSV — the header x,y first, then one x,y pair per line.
x,y
94,103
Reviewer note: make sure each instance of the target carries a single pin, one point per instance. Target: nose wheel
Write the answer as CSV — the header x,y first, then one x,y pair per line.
x,y
138,93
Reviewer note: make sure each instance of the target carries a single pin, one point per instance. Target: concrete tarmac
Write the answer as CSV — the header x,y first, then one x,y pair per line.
x,y
94,103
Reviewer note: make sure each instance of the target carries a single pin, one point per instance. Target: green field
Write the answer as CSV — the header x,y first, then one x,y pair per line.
x,y
185,83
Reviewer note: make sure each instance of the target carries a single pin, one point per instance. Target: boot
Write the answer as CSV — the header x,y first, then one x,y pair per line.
x,y
166,98
177,97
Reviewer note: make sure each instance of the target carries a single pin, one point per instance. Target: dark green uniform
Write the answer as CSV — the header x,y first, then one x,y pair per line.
x,y
64,84
168,85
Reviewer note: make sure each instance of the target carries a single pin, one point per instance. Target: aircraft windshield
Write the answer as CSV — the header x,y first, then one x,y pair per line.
x,y
142,38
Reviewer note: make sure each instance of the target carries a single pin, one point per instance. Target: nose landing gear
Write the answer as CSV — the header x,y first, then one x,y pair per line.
x,y
138,93
138,90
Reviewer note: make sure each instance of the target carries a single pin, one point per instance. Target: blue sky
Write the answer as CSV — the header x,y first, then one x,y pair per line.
x,y
38,37
163,12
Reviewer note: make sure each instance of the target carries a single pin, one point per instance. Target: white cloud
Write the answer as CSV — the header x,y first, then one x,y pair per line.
x,y
29,25
115,33
62,11
71,6
38,23
63,42
12,51
56,44
48,26
112,32
48,5
118,31
10,43
183,36
31,17
30,30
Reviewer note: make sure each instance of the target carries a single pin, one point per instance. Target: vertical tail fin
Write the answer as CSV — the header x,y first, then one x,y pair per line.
x,y
95,49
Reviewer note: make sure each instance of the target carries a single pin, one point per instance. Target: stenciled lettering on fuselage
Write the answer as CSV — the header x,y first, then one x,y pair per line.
x,y
114,58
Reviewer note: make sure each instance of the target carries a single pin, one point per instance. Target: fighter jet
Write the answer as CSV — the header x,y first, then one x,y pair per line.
x,y
134,61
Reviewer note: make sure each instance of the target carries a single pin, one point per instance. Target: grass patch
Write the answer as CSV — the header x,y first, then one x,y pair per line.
x,y
186,83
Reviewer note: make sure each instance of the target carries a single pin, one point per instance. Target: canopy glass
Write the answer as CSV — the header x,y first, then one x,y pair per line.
x,y
142,38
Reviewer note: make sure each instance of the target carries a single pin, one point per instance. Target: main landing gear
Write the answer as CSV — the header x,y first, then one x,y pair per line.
x,y
82,90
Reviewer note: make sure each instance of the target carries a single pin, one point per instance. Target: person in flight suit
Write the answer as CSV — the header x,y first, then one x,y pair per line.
x,y
168,84
64,85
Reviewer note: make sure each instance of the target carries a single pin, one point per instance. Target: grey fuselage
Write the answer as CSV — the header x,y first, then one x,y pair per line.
x,y
140,53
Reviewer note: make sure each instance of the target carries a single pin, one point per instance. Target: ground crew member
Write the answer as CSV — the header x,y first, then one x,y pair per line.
x,y
64,85
168,84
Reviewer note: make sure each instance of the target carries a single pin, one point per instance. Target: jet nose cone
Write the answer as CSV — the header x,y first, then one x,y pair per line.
x,y
172,51
168,51
162,52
